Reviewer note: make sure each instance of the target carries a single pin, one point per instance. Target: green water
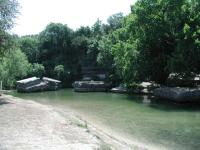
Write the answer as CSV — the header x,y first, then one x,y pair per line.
x,y
132,118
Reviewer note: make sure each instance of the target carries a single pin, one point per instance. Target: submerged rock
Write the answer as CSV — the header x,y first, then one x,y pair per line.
x,y
35,84
90,86
178,94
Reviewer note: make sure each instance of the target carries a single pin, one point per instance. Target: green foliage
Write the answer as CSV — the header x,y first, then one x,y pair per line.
x,y
115,21
119,53
80,45
157,38
59,71
157,24
29,45
92,52
93,44
154,30
55,47
83,31
8,12
105,57
58,44
185,58
14,65
38,70
7,42
97,29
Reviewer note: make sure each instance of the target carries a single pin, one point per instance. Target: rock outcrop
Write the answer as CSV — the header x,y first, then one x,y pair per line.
x,y
178,94
90,86
35,84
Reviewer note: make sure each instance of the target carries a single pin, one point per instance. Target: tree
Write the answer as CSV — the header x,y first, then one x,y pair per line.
x,y
83,31
55,47
92,51
38,70
115,21
8,12
185,59
14,65
158,26
157,38
80,44
105,57
59,71
97,28
109,39
117,50
29,45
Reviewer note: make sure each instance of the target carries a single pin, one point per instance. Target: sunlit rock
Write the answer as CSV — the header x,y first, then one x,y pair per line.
x,y
35,84
183,80
119,89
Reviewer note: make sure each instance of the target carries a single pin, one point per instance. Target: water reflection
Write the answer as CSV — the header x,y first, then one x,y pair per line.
x,y
163,104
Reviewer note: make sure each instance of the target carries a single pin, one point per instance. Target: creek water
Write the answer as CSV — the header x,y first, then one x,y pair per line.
x,y
134,119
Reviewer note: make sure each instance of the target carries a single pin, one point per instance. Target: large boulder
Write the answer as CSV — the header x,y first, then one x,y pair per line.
x,y
178,94
52,84
35,84
90,86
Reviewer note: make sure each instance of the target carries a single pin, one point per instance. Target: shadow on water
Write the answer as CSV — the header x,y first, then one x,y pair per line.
x,y
165,105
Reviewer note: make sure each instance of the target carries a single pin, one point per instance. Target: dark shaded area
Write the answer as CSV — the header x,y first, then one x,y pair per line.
x,y
165,105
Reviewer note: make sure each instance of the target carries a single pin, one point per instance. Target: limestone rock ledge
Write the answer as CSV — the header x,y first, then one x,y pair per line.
x,y
178,94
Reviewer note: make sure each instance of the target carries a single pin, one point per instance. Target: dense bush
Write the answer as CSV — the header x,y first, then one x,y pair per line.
x,y
14,65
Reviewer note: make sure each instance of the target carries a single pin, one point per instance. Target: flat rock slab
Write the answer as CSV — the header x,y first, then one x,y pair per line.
x,y
178,94
90,86
26,125
35,84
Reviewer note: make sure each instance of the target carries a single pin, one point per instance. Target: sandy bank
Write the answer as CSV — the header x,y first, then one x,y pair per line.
x,y
27,125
